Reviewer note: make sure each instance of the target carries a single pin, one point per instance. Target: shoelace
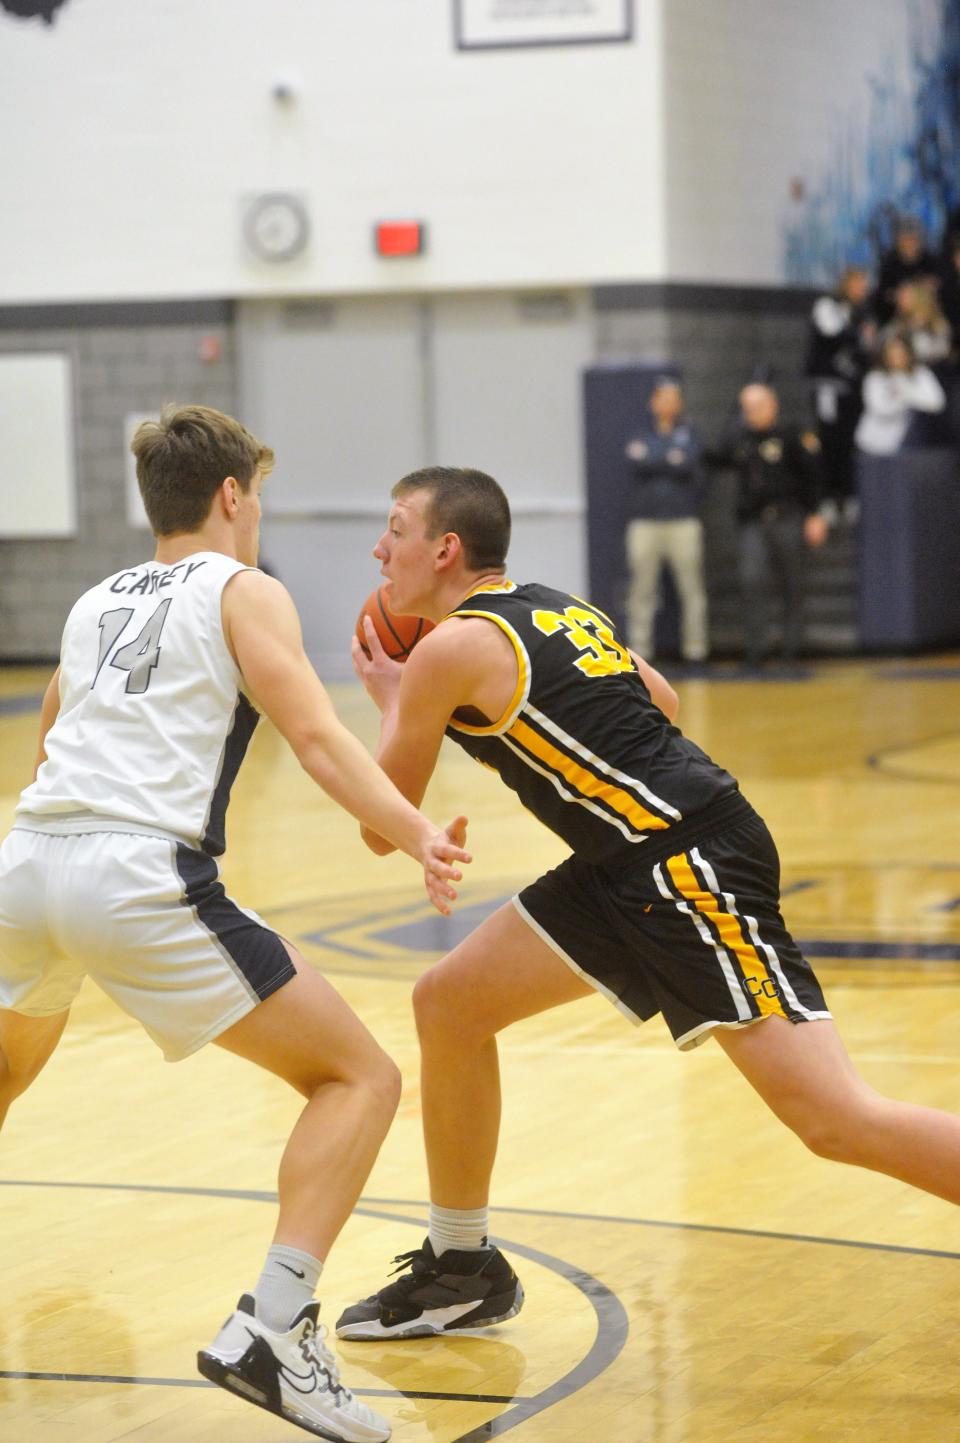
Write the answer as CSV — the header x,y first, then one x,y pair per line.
x,y
413,1260
316,1351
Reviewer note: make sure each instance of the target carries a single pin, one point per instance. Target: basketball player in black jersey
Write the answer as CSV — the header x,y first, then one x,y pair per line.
x,y
669,902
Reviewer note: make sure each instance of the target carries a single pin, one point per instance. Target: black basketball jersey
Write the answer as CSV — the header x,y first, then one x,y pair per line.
x,y
582,743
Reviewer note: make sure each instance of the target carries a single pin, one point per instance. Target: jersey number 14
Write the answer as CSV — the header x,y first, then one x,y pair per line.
x,y
137,657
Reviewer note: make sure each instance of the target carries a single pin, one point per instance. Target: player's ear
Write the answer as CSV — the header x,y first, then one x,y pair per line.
x,y
450,548
229,494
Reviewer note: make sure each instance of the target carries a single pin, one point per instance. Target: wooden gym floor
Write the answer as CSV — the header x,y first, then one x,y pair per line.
x,y
692,1274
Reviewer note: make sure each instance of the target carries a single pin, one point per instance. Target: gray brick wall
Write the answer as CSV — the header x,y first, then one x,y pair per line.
x,y
719,336
124,359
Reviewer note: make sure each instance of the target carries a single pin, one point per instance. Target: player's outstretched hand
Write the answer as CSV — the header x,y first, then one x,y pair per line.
x,y
379,673
441,854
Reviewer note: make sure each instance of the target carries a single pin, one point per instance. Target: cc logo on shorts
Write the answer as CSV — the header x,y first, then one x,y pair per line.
x,y
757,987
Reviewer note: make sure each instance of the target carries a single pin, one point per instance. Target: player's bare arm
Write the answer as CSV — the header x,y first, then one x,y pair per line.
x,y
49,708
466,663
661,692
262,629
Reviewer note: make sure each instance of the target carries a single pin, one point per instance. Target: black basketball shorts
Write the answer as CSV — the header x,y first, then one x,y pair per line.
x,y
691,929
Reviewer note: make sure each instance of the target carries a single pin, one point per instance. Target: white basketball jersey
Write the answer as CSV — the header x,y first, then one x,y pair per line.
x,y
153,725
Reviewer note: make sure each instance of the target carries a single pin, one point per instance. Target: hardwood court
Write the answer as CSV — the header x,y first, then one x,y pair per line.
x,y
692,1274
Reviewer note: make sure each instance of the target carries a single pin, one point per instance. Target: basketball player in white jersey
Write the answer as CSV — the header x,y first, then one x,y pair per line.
x,y
109,872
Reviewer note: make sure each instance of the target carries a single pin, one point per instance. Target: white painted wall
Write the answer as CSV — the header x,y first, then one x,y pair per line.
x,y
135,128
757,93
352,394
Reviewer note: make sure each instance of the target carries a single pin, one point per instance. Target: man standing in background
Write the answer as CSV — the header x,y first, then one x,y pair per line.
x,y
780,491
665,526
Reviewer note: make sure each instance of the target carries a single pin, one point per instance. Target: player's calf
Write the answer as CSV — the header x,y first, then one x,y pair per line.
x,y
26,1045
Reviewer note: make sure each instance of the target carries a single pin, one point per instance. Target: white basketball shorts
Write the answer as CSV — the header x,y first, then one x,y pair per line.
x,y
146,918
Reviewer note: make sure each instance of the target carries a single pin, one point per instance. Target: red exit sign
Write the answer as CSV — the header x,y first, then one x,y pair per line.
x,y
400,237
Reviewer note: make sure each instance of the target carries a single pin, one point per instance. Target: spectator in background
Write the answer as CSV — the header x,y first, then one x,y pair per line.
x,y
842,333
920,321
665,526
909,260
777,508
950,293
951,233
895,392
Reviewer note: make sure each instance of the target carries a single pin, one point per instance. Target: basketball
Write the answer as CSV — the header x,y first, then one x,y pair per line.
x,y
398,634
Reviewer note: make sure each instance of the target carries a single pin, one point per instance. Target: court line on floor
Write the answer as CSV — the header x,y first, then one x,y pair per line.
x,y
366,1203
669,1224
20,705
24,1376
937,672
612,1322
877,760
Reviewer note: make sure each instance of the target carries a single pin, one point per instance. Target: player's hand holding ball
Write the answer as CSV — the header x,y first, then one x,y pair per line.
x,y
381,644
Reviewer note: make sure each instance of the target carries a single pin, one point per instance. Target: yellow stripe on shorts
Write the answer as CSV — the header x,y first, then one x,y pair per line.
x,y
760,984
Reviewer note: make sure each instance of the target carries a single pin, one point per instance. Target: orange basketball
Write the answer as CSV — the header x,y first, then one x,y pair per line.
x,y
398,634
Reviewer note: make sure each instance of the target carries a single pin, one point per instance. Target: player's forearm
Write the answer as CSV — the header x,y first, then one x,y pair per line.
x,y
350,776
377,844
388,726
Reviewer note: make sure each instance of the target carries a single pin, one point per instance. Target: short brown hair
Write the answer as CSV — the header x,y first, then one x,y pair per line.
x,y
469,503
184,458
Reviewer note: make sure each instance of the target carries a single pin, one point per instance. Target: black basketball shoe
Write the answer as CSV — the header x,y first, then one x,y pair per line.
x,y
437,1295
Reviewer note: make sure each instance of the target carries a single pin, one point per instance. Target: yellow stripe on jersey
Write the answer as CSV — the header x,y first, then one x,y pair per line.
x,y
585,782
496,588
522,689
761,986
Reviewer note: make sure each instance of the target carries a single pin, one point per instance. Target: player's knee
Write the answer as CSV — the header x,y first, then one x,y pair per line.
x,y
440,1011
829,1135
385,1084
428,1003
377,1078
368,1073
822,1139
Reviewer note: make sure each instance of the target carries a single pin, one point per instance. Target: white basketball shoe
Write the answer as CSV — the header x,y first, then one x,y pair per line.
x,y
292,1374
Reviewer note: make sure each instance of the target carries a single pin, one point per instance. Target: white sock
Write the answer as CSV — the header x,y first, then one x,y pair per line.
x,y
465,1230
288,1282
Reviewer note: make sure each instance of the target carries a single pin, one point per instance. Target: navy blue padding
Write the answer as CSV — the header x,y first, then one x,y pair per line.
x,y
910,548
245,718
616,399
257,952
